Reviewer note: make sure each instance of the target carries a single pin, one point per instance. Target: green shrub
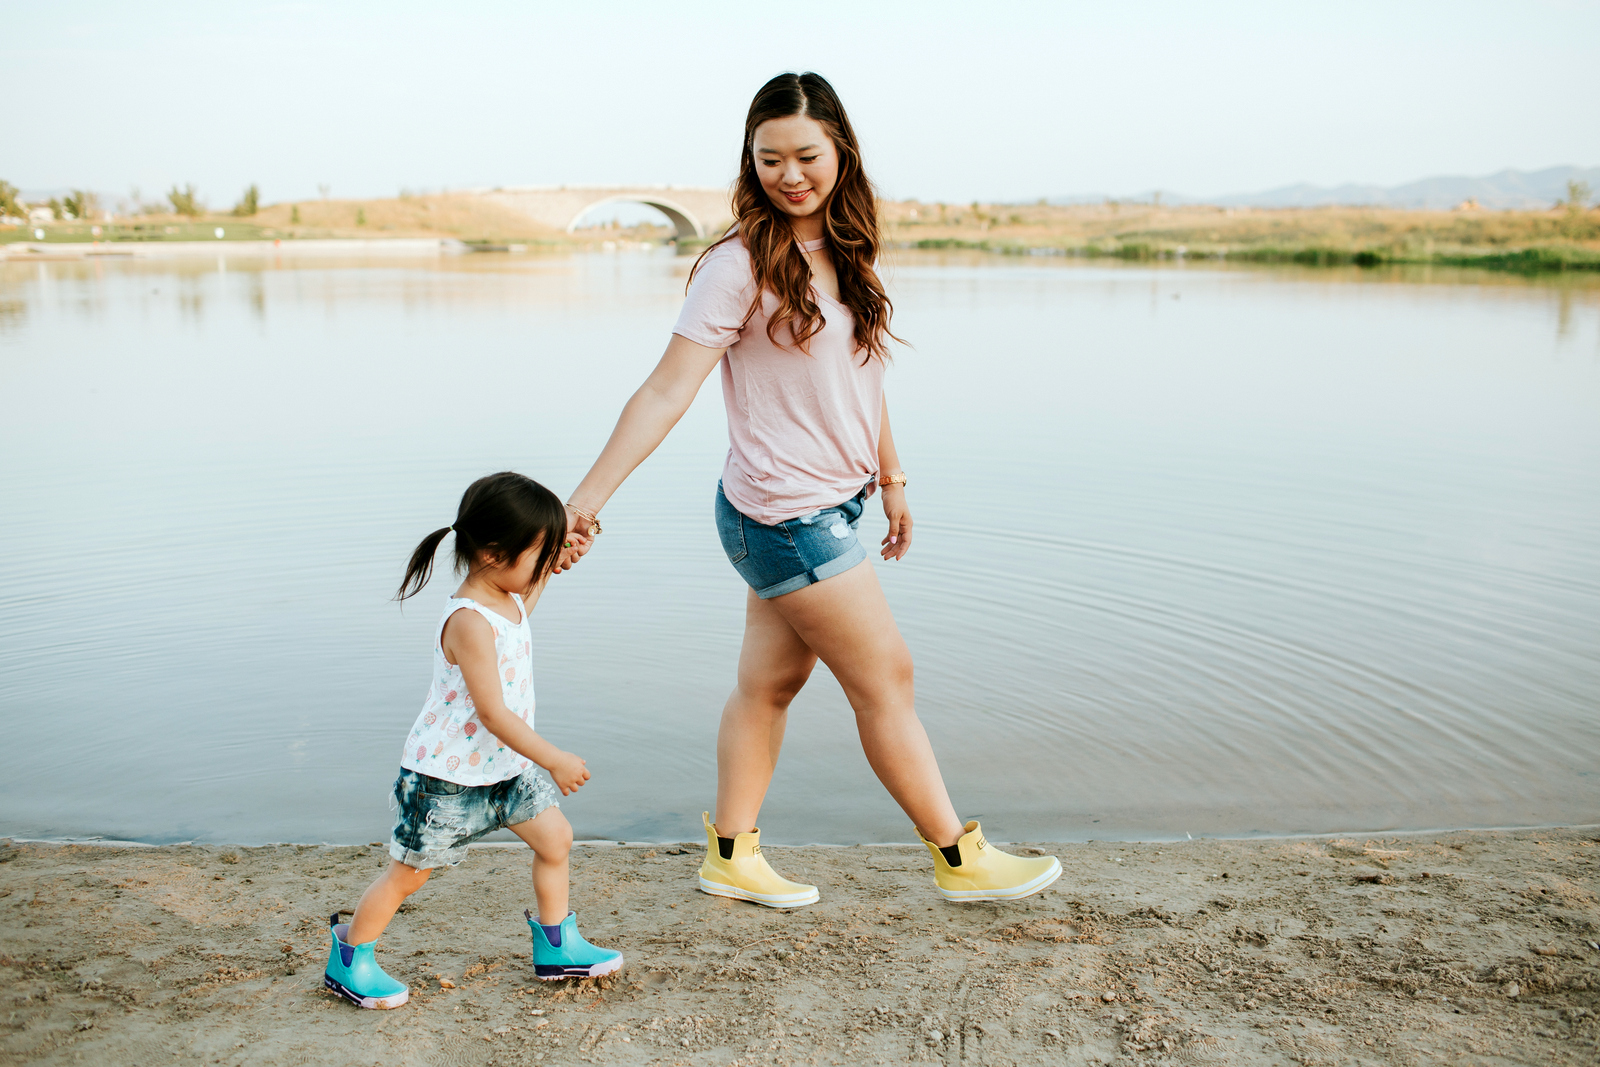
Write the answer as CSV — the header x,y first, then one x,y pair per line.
x,y
185,201
9,205
80,203
249,203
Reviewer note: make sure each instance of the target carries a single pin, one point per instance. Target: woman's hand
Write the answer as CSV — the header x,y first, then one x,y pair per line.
x,y
578,541
897,542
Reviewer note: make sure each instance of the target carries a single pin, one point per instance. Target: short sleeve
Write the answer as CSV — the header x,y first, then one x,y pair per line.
x,y
719,298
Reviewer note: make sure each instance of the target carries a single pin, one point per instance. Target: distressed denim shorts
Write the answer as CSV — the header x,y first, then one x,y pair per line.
x,y
775,560
437,819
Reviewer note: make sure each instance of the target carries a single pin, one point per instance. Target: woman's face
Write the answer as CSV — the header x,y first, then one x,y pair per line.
x,y
797,164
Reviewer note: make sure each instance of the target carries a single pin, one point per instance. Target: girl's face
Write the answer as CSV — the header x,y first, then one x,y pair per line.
x,y
516,577
797,163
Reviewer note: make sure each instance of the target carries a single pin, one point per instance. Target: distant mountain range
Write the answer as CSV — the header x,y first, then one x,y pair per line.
x,y
1507,189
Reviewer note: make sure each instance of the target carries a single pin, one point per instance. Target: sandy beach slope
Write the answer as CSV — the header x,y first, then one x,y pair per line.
x,y
1470,948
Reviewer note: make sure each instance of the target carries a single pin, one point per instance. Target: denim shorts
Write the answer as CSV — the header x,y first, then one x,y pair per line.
x,y
775,560
438,819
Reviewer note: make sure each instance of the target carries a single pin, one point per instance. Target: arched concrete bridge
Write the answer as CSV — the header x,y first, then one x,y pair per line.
x,y
695,212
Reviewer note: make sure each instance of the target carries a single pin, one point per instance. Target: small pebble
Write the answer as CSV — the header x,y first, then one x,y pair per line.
x,y
1512,989
935,1036
1108,997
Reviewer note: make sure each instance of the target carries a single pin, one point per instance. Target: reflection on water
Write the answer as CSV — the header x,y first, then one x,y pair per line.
x,y
1198,550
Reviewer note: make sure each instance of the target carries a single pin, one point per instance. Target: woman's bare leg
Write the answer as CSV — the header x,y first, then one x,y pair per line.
x,y
773,666
846,621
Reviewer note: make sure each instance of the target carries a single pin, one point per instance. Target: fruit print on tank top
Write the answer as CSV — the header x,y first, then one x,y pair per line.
x,y
447,740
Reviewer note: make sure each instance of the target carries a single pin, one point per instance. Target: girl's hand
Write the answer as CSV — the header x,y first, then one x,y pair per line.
x,y
568,772
897,542
578,538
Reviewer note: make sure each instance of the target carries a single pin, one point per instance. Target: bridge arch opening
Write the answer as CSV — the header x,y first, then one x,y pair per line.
x,y
683,221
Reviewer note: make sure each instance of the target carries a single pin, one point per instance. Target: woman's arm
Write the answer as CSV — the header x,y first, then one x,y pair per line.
x,y
897,542
651,412
468,641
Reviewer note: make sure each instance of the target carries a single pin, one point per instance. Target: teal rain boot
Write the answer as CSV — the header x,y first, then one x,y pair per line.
x,y
569,956
355,975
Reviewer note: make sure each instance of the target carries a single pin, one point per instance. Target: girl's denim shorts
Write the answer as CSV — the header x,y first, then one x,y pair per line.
x,y
437,819
775,560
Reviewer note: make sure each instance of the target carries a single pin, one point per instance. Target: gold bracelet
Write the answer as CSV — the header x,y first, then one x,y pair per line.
x,y
594,520
892,479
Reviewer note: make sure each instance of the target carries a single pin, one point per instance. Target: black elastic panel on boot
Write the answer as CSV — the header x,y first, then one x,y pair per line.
x,y
952,854
725,846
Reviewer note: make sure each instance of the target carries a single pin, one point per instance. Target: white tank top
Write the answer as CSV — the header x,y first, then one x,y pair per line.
x,y
448,741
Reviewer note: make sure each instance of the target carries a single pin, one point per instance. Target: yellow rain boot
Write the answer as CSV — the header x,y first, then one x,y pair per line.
x,y
746,876
986,873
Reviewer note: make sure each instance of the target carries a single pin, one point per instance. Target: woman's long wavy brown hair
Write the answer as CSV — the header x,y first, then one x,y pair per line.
x,y
850,223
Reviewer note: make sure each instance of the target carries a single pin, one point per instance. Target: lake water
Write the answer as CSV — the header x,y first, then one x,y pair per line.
x,y
1199,550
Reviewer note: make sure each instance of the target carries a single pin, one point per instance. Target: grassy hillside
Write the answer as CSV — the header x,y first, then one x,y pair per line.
x,y
462,215
1560,239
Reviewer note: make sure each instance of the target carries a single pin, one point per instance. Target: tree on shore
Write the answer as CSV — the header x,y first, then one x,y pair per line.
x,y
249,202
185,201
1577,195
10,206
81,203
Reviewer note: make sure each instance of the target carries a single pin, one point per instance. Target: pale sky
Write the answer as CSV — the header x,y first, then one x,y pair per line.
x,y
953,101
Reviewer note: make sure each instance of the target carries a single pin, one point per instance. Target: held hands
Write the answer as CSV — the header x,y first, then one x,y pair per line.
x,y
568,772
577,537
897,542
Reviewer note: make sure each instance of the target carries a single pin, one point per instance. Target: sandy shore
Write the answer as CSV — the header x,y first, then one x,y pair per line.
x,y
1473,948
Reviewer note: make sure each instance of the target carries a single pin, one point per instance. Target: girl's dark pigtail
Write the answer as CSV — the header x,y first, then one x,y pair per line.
x,y
421,567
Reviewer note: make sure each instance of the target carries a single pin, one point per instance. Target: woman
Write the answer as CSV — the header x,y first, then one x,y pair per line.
x,y
789,303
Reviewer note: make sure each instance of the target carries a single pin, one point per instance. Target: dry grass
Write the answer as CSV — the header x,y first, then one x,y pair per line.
x,y
1521,239
1147,229
464,215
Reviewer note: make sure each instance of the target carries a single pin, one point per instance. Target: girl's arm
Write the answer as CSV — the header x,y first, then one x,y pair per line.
x,y
468,641
897,542
531,597
651,412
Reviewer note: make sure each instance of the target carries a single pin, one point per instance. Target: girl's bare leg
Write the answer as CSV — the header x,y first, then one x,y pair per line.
x,y
774,664
549,834
381,900
846,621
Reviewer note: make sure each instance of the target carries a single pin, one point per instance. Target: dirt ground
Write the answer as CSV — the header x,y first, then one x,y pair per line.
x,y
1459,948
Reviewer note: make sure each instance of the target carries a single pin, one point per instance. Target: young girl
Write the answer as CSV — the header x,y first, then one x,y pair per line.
x,y
471,764
790,306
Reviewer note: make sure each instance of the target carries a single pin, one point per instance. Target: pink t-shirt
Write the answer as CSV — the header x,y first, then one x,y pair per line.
x,y
802,428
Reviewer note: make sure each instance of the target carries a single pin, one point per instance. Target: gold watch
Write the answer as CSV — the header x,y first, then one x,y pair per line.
x,y
884,481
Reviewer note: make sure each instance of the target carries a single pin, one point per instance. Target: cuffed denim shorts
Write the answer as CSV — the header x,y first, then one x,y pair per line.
x,y
438,819
775,560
